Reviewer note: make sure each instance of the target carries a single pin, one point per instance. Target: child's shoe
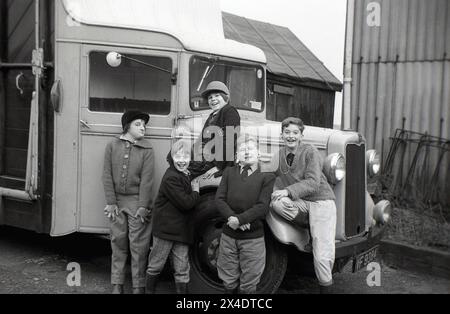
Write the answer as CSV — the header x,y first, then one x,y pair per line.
x,y
181,287
150,284
117,289
139,290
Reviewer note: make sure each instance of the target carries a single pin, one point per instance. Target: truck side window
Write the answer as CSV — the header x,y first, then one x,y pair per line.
x,y
130,85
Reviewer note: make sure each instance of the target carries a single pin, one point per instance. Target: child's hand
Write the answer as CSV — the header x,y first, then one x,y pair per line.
x,y
233,222
210,173
245,227
279,194
289,213
195,184
111,211
143,214
286,203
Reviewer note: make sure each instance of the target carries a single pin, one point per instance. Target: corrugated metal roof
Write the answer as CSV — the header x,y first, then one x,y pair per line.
x,y
286,54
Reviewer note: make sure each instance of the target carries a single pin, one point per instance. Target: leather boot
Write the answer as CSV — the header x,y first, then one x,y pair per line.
x,y
325,289
231,291
150,284
117,289
181,287
139,290
246,291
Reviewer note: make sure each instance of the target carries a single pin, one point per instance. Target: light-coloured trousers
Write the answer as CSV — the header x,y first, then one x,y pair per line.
x,y
129,233
241,263
179,257
322,221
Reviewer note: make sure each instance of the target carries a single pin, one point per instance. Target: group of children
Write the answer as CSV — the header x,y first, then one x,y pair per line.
x,y
243,199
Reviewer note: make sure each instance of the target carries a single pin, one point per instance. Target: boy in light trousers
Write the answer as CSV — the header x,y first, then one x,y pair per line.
x,y
302,192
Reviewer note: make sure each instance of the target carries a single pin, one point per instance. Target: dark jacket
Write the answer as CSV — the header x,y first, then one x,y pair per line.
x,y
227,116
173,206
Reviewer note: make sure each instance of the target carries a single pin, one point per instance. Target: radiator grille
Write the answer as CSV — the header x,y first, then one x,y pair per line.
x,y
355,190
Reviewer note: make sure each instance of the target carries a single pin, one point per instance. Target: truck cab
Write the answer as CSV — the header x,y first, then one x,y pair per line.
x,y
107,56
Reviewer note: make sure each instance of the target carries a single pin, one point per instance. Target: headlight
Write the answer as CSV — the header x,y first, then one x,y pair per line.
x,y
382,212
373,162
334,168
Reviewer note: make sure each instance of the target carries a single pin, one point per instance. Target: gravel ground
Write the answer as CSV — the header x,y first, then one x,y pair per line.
x,y
32,263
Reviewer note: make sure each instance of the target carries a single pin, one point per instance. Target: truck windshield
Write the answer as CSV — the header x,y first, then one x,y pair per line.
x,y
245,81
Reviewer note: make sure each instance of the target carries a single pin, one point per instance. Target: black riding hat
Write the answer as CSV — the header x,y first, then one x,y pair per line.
x,y
132,115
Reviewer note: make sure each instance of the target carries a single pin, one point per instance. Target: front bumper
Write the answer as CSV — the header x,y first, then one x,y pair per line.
x,y
357,245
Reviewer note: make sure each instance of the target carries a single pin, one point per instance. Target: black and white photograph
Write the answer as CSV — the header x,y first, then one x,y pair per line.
x,y
224,152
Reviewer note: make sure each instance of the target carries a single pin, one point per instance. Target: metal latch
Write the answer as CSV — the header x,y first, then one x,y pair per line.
x,y
37,61
184,117
85,124
20,75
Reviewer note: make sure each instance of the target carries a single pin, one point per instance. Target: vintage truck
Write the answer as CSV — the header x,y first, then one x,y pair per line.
x,y
69,68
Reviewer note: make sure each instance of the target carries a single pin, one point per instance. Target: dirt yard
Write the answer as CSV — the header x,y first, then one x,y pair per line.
x,y
32,263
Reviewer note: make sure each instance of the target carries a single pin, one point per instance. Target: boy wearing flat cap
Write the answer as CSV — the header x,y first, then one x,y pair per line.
x,y
128,182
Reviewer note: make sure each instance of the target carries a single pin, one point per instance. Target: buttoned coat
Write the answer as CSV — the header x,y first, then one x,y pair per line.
x,y
128,170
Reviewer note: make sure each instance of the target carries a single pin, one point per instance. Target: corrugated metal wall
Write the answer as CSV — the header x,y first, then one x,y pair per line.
x,y
401,72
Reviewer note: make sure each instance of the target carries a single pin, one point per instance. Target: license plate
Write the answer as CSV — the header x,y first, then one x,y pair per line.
x,y
363,259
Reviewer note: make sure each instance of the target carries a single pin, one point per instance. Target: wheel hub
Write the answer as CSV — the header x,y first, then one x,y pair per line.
x,y
210,247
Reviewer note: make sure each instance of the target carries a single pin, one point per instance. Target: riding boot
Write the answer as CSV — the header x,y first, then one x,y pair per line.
x,y
139,290
181,287
231,291
325,289
117,289
150,284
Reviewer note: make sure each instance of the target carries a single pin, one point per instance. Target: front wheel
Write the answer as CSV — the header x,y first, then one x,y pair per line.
x,y
203,255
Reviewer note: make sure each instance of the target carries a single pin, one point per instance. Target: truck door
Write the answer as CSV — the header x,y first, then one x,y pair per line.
x,y
26,65
139,82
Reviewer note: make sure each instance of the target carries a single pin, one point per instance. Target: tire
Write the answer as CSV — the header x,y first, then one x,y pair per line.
x,y
203,255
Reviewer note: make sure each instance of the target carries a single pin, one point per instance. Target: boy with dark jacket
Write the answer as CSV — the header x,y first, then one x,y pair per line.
x,y
243,199
172,234
223,118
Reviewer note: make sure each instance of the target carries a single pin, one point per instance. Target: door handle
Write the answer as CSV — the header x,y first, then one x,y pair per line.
x,y
184,117
181,117
18,83
85,124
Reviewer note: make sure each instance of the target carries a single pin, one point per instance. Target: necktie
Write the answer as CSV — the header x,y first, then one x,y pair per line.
x,y
290,159
244,173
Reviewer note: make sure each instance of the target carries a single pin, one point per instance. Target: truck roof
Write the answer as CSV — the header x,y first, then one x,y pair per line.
x,y
197,24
